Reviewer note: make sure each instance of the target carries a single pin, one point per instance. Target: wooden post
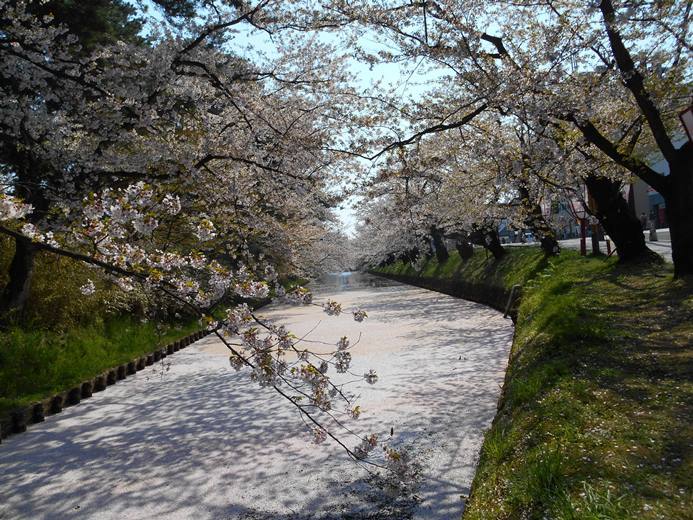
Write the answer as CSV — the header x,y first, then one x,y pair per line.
x,y
74,395
87,389
37,413
511,299
18,421
57,404
100,383
595,239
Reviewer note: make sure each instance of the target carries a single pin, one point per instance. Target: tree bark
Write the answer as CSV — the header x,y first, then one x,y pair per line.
x,y
465,249
389,259
16,292
679,209
537,223
439,245
411,255
615,216
487,236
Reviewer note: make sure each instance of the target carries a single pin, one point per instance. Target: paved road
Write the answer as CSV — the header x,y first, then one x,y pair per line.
x,y
201,441
661,247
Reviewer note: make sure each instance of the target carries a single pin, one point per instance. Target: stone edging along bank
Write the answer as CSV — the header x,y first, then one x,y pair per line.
x,y
493,296
17,420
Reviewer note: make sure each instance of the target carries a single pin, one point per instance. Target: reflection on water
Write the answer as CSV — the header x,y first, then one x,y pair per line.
x,y
348,280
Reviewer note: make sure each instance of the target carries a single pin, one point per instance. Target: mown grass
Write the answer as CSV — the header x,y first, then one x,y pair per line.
x,y
595,418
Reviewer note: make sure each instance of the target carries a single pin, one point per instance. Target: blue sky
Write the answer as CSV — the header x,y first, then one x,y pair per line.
x,y
397,80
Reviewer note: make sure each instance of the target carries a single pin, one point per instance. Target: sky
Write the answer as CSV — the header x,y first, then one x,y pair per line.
x,y
397,79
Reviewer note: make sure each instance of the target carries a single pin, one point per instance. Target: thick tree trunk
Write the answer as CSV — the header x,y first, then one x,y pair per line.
x,y
487,237
439,245
17,290
615,216
549,244
493,244
680,215
465,249
411,255
679,208
535,221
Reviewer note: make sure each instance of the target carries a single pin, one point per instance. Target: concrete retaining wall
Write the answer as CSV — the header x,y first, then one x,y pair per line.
x,y
493,296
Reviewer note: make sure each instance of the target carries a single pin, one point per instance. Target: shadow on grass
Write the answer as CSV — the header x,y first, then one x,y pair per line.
x,y
602,370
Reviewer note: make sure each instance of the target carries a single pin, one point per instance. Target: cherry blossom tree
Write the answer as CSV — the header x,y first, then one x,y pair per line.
x,y
616,73
644,51
186,169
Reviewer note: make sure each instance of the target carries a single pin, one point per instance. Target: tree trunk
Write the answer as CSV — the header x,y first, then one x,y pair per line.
x,y
493,244
487,236
430,251
410,255
439,245
17,290
679,209
537,223
465,249
615,216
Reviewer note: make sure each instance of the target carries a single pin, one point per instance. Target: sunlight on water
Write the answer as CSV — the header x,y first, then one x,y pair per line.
x,y
347,281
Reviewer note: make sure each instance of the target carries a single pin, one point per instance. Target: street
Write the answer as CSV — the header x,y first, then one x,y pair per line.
x,y
662,246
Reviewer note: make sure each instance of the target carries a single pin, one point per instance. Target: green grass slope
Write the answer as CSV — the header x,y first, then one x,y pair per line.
x,y
520,264
65,337
595,418
36,364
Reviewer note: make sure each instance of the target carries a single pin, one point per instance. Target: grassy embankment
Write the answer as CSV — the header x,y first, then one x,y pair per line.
x,y
65,337
595,417
37,364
